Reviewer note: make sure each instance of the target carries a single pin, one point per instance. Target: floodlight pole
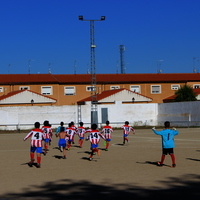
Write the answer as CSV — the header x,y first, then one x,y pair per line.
x,y
94,110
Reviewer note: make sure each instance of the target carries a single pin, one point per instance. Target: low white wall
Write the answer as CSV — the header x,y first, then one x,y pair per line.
x,y
150,114
24,117
180,113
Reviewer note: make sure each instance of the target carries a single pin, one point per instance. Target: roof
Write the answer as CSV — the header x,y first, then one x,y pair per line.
x,y
25,96
101,78
108,93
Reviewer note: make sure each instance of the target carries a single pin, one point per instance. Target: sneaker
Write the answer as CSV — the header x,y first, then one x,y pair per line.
x,y
173,165
90,159
64,157
159,164
38,165
106,149
30,164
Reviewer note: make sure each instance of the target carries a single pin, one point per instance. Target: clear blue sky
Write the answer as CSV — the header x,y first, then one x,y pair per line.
x,y
49,33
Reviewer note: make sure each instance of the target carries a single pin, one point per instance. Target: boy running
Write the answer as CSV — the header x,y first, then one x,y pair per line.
x,y
70,132
168,144
81,133
107,130
126,130
62,141
94,137
47,130
36,144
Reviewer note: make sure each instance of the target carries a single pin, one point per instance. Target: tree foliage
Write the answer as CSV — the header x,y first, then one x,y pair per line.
x,y
185,93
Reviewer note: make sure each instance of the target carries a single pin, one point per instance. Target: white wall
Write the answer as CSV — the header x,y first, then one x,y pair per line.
x,y
149,114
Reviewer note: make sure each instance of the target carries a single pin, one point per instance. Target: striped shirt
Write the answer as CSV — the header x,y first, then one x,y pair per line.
x,y
36,137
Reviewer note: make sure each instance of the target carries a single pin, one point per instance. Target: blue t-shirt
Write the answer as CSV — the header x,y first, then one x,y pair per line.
x,y
167,137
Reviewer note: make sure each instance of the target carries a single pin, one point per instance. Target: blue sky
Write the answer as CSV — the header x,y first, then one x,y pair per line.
x,y
48,33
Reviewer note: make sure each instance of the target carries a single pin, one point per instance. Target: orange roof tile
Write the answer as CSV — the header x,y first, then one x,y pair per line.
x,y
20,91
101,78
108,93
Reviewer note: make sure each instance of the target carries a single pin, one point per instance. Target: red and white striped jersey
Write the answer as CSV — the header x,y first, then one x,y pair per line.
x,y
70,131
81,131
127,129
107,130
47,130
95,136
37,136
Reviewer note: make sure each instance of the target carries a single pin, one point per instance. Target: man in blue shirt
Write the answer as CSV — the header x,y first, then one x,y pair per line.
x,y
168,144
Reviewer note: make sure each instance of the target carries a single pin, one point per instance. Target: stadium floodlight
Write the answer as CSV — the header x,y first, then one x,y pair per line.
x,y
94,101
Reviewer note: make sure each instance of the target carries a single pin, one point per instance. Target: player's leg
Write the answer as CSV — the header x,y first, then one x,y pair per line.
x,y
164,153
32,155
171,153
39,152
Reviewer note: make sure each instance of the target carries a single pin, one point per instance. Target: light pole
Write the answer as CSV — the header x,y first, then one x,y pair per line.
x,y
94,113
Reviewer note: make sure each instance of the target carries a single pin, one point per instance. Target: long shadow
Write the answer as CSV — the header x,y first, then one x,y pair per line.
x,y
193,159
186,186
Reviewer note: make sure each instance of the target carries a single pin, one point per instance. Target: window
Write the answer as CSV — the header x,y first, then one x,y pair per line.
x,y
155,89
196,86
135,88
24,88
114,87
1,89
69,90
90,88
47,90
175,87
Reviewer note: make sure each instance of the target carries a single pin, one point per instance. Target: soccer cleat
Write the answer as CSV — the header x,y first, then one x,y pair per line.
x,y
106,149
159,164
64,157
38,165
173,165
30,164
90,159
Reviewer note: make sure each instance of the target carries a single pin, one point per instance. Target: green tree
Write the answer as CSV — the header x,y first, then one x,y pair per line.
x,y
185,93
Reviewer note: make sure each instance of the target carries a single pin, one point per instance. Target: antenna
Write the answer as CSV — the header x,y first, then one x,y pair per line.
x,y
29,65
122,63
49,69
159,70
75,67
194,64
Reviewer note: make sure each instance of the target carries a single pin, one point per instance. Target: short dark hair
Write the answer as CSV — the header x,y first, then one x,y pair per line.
x,y
126,122
167,124
107,122
94,127
37,124
81,123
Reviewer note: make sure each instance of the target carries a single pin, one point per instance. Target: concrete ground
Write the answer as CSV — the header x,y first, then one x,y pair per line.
x,y
123,171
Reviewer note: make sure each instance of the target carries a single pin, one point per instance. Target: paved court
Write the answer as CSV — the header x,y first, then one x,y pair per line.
x,y
127,171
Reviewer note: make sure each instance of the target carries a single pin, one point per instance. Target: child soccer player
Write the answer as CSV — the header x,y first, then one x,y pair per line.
x,y
36,144
47,130
107,130
126,130
58,130
70,132
94,137
81,133
62,141
168,144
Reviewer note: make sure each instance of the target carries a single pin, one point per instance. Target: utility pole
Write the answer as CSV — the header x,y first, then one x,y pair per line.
x,y
94,111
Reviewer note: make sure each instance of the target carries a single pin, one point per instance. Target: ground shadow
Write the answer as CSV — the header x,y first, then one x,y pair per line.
x,y
153,163
186,186
193,159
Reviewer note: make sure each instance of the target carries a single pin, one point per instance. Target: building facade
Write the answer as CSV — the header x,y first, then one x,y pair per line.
x,y
68,89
